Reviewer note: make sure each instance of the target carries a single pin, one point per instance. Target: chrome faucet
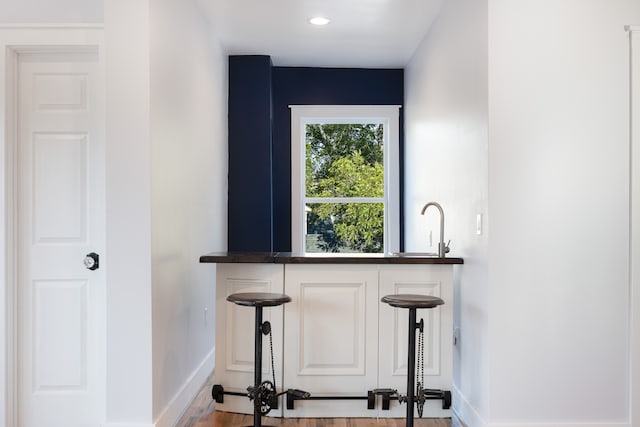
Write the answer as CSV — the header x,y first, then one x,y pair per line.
x,y
442,248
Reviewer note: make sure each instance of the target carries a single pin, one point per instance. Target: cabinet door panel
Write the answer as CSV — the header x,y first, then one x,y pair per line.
x,y
331,336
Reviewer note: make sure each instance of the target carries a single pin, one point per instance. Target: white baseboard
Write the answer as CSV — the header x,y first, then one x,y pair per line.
x,y
183,398
463,414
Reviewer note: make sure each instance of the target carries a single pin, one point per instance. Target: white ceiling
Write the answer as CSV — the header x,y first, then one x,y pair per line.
x,y
362,33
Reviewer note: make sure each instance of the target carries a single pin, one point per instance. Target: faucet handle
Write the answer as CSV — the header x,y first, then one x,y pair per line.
x,y
446,247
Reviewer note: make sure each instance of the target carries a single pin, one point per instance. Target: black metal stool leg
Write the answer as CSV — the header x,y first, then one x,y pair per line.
x,y
264,396
411,366
412,302
257,372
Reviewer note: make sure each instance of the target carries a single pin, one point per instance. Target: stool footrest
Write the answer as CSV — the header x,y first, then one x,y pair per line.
x,y
388,394
430,394
259,394
218,392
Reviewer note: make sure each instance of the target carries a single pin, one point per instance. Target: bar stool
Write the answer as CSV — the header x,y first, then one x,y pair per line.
x,y
259,300
412,302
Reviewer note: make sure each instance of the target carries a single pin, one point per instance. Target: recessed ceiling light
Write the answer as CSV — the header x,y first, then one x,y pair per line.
x,y
319,20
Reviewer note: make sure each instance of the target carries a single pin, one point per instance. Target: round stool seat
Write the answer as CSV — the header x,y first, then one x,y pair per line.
x,y
258,299
412,301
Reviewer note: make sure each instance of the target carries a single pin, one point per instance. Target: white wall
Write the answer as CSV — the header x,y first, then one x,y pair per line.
x,y
189,204
545,339
559,204
446,161
128,182
166,170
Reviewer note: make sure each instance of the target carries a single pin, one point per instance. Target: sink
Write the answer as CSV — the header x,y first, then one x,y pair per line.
x,y
414,254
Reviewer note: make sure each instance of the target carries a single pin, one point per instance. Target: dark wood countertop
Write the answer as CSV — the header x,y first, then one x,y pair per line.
x,y
292,258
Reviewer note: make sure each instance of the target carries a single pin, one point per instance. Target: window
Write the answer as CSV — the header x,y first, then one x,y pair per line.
x,y
344,179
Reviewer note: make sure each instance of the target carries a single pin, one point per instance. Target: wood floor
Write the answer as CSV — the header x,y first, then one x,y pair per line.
x,y
202,413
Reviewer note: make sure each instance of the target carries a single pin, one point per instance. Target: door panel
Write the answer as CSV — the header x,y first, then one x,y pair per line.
x,y
60,190
60,216
59,335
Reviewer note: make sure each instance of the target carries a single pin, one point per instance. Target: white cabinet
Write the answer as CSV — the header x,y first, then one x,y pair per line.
x,y
335,337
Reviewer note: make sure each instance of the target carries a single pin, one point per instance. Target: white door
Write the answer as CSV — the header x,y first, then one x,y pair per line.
x,y
60,216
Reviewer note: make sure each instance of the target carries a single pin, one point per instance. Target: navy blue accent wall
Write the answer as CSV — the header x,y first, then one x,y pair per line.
x,y
250,185
320,86
260,138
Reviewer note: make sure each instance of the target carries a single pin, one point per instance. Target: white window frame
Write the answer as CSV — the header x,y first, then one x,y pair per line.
x,y
389,117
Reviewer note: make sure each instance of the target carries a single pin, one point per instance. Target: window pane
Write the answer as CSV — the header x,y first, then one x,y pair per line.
x,y
344,160
344,227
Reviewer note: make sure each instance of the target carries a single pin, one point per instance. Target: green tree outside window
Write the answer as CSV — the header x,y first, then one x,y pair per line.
x,y
344,161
